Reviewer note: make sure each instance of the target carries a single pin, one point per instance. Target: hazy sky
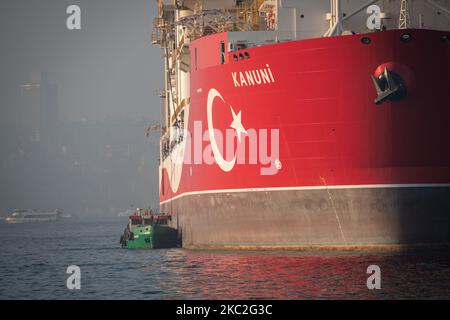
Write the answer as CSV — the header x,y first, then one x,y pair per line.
x,y
108,68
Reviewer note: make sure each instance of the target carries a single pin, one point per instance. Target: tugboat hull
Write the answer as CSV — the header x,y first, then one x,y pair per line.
x,y
151,237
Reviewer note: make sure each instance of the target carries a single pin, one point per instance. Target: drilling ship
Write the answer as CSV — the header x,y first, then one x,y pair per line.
x,y
298,123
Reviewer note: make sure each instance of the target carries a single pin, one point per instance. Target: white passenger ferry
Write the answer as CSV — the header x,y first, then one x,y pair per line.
x,y
33,215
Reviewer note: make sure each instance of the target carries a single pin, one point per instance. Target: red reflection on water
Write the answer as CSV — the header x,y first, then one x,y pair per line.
x,y
256,275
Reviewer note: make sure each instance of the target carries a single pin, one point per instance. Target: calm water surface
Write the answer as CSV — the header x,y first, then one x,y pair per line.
x,y
34,259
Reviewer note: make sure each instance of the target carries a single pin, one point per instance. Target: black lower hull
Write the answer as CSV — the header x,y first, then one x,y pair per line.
x,y
325,217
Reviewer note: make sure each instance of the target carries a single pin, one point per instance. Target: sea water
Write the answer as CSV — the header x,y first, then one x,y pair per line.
x,y
34,261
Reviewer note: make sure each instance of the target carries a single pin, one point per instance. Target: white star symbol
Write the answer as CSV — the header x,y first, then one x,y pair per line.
x,y
237,124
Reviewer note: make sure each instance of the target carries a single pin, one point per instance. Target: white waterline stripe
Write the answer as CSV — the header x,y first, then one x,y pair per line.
x,y
367,186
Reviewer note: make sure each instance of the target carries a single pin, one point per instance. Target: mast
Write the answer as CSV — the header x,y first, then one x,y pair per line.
x,y
404,21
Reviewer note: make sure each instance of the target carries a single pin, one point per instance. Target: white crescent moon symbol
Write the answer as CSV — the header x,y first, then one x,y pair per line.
x,y
226,166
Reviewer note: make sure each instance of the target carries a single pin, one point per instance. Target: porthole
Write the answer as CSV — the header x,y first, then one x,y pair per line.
x,y
366,40
406,37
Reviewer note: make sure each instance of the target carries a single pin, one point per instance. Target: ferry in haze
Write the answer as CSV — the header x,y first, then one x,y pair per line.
x,y
33,215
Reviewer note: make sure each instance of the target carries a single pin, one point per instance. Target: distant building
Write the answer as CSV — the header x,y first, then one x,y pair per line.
x,y
37,114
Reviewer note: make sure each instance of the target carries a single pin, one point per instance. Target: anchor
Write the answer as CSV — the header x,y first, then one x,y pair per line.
x,y
389,86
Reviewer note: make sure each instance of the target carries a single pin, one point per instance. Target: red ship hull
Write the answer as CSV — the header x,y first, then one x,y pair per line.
x,y
349,172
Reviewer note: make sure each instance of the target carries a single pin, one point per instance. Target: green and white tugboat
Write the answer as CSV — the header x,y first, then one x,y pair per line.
x,y
146,230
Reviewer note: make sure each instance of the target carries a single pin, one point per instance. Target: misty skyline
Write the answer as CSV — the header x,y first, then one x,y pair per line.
x,y
108,68
92,154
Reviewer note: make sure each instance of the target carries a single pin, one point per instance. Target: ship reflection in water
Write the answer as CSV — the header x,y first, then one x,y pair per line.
x,y
35,257
258,275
